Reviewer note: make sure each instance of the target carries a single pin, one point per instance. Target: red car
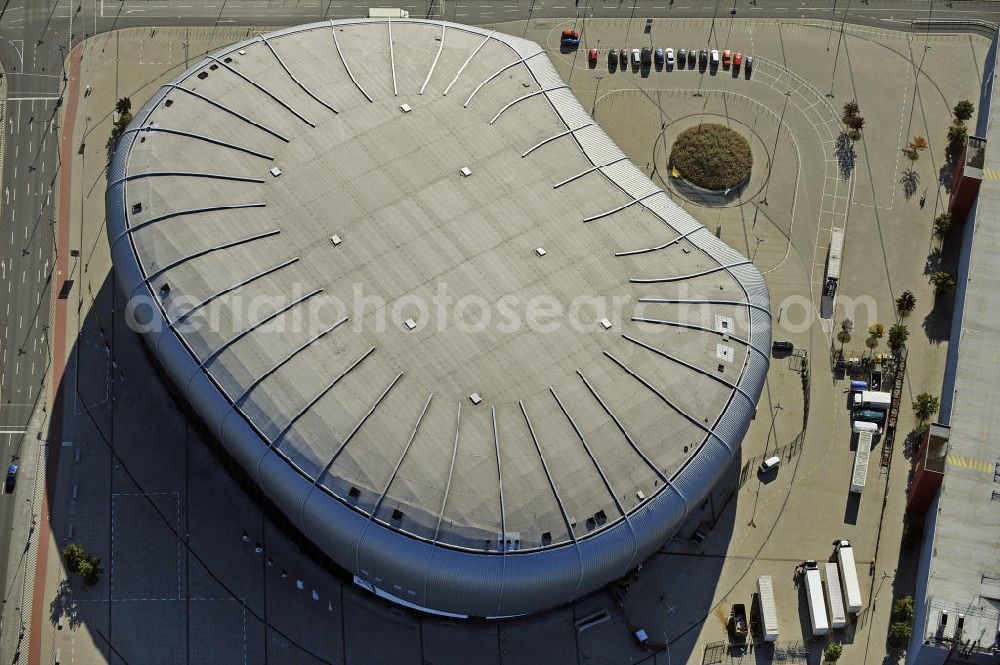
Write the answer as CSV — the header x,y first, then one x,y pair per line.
x,y
592,56
738,60
727,58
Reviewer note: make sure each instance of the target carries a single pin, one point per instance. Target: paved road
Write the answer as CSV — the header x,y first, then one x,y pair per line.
x,y
35,35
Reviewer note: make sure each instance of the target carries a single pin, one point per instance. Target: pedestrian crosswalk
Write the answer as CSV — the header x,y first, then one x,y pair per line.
x,y
971,463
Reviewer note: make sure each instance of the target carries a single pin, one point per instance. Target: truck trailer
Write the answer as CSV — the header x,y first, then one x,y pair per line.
x,y
834,598
814,596
849,577
768,609
861,456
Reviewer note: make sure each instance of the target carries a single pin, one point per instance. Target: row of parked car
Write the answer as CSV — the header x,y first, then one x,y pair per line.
x,y
647,55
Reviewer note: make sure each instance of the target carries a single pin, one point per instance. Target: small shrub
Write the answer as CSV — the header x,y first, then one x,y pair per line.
x,y
876,330
905,303
941,224
964,110
832,652
925,405
900,633
898,334
942,280
902,609
957,136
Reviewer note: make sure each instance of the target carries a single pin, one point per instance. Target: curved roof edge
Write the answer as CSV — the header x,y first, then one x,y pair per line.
x,y
435,576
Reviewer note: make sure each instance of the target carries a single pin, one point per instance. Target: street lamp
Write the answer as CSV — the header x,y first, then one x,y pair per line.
x,y
774,152
593,106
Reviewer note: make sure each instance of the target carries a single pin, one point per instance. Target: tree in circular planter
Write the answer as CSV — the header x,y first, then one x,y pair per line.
x,y
712,156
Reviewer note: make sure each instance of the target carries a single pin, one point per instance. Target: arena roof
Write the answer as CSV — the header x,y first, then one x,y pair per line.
x,y
446,435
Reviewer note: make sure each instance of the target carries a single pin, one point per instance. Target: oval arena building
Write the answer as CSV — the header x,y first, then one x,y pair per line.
x,y
468,348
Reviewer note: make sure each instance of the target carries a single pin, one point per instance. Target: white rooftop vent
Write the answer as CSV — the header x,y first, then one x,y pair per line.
x,y
540,251
335,239
275,171
639,495
605,324
410,324
243,51
475,398
405,108
466,171
724,352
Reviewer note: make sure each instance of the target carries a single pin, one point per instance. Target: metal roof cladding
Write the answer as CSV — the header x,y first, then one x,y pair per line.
x,y
548,423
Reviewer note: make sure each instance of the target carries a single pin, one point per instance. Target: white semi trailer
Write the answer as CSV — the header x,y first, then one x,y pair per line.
x,y
768,609
849,577
834,598
814,596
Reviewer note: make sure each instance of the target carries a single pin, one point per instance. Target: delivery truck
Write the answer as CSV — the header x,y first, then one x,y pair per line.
x,y
768,609
849,577
861,456
834,598
814,597
871,399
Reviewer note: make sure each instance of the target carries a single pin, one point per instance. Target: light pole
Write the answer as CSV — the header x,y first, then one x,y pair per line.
x,y
593,107
833,76
754,255
774,152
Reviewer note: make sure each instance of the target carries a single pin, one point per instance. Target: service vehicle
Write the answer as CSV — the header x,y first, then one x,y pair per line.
x,y
849,577
833,265
859,426
815,599
769,464
872,399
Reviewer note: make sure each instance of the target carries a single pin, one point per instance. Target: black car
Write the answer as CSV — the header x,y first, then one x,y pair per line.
x,y
703,57
647,56
692,57
782,345
11,478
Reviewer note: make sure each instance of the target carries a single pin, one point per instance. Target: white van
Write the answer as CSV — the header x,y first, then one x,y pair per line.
x,y
769,464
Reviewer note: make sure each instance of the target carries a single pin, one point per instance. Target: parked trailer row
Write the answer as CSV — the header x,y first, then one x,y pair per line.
x,y
768,609
849,576
814,597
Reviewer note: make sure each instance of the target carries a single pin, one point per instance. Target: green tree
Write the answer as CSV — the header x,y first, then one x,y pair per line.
x,y
925,405
851,109
900,633
957,136
902,609
73,554
941,224
856,123
123,106
876,330
844,336
832,652
964,110
942,280
897,335
905,303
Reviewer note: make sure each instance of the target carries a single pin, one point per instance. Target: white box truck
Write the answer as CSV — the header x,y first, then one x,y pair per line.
x,y
834,598
861,456
872,399
768,609
814,596
849,577
859,426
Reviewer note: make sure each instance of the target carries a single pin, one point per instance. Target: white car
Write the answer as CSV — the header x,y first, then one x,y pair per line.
x,y
670,57
636,61
770,464
715,57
